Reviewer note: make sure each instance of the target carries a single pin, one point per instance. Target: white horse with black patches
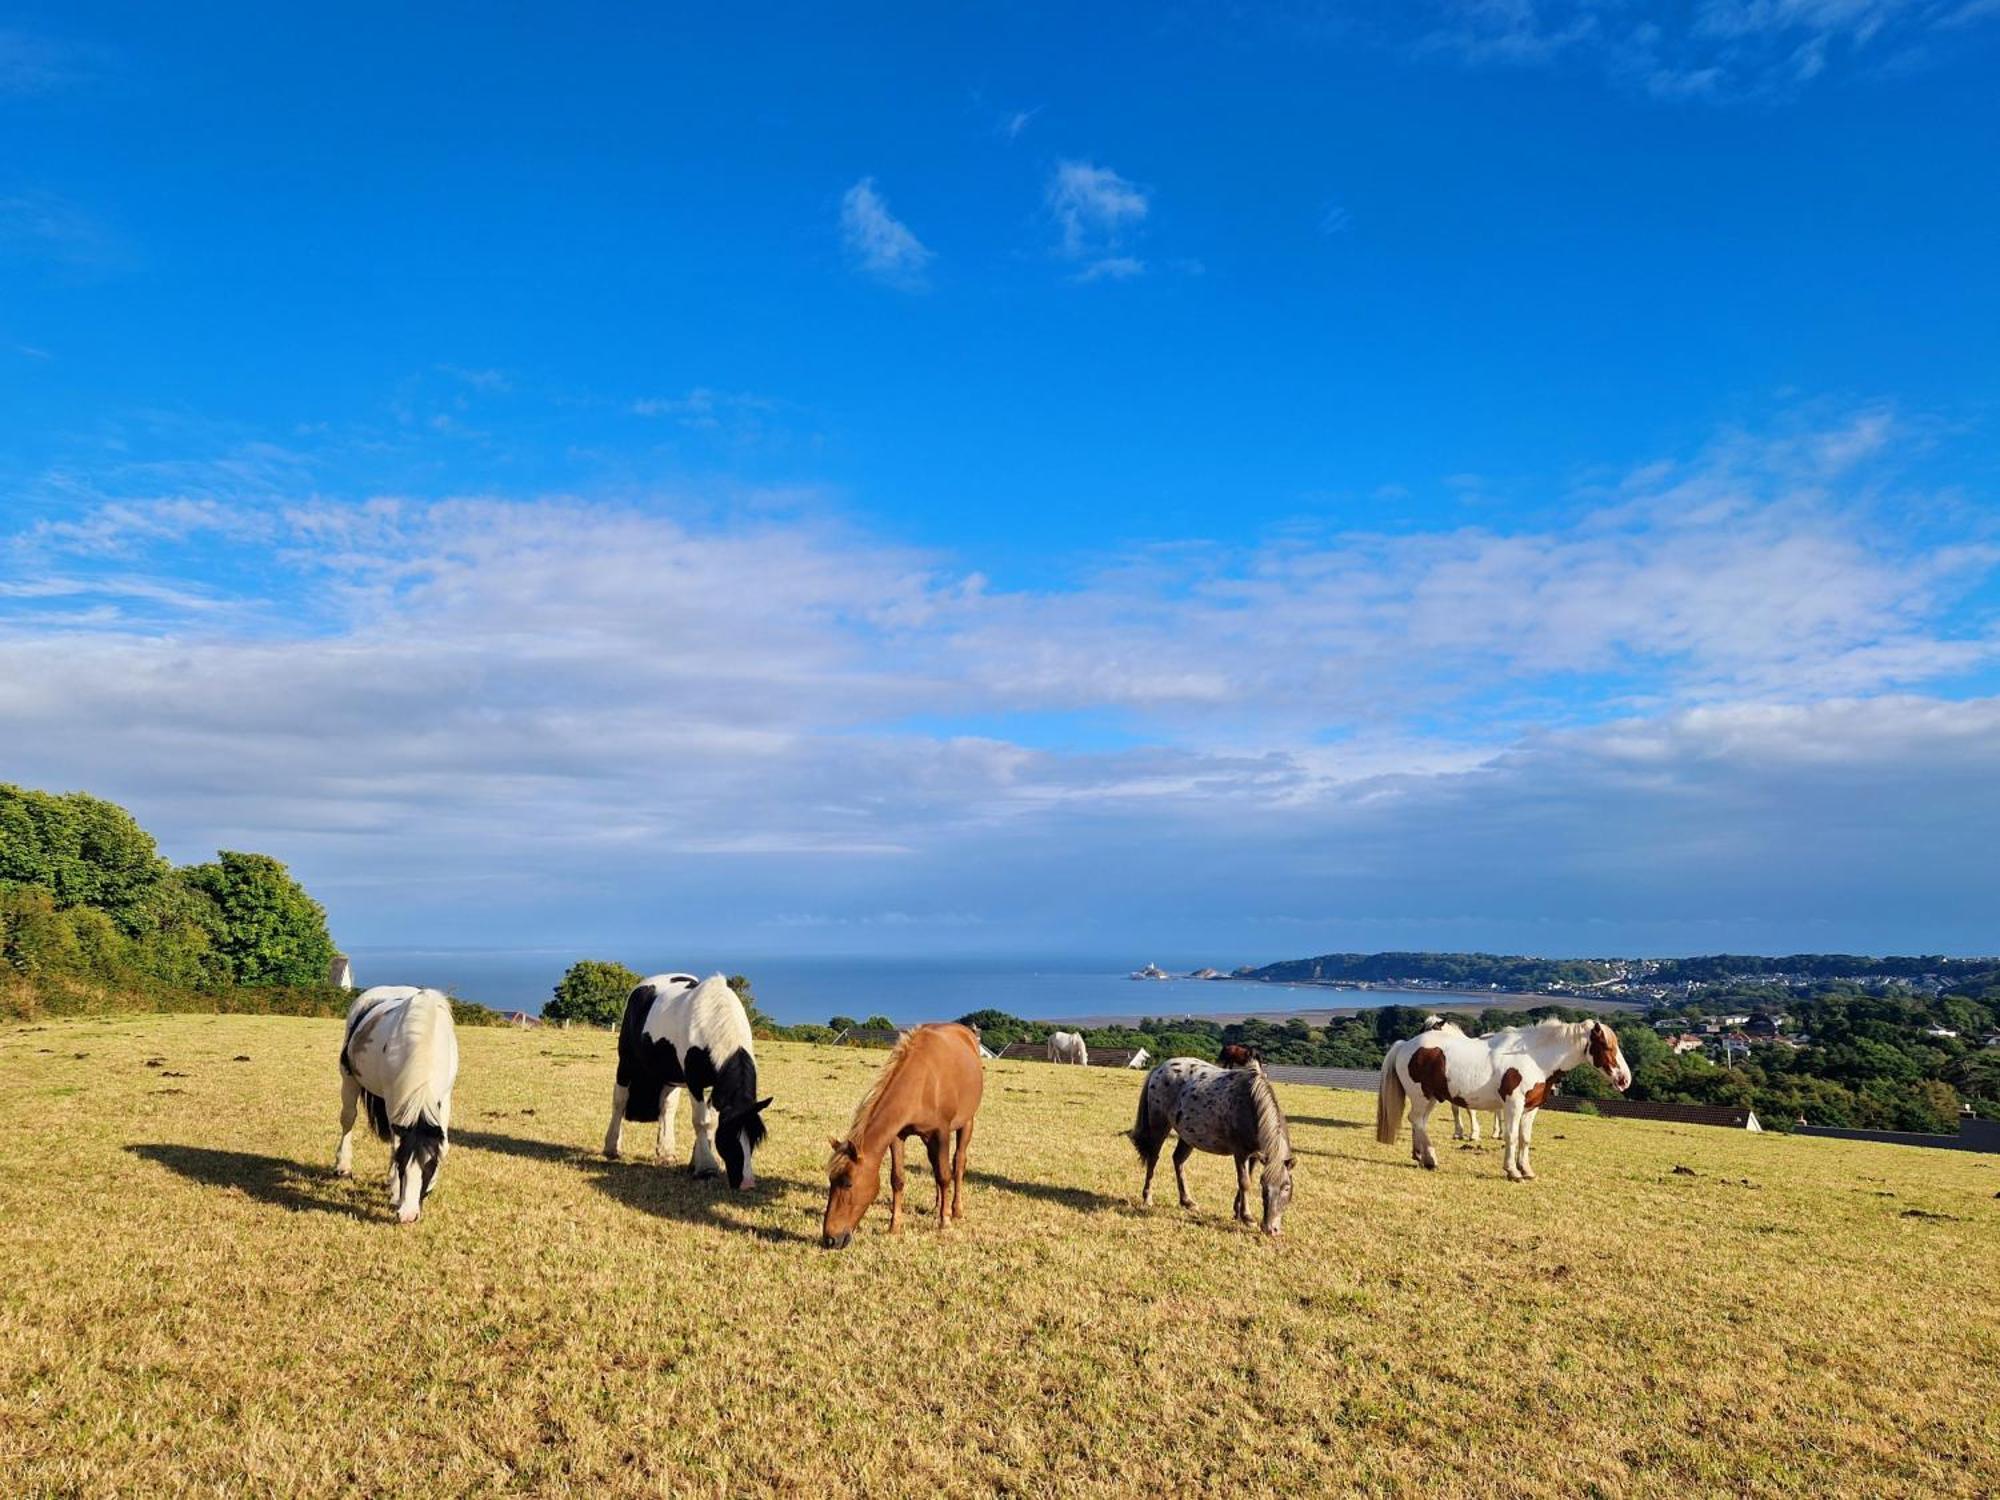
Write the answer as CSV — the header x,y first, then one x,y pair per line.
x,y
1511,1071
1068,1047
400,1059
683,1033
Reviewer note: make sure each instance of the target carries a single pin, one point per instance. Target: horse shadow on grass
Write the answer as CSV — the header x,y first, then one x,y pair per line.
x,y
668,1192
276,1180
1327,1123
1084,1200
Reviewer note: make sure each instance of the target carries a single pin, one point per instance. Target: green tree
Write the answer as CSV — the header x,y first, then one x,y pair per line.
x,y
592,991
271,931
82,850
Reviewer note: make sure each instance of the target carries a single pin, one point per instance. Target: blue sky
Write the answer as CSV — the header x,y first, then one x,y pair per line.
x,y
1513,473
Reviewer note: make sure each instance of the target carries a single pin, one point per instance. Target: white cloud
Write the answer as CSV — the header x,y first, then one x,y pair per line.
x,y
477,711
1095,212
878,242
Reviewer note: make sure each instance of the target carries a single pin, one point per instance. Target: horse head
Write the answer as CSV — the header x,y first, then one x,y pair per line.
x,y
1277,1191
738,1134
1607,1057
414,1160
851,1187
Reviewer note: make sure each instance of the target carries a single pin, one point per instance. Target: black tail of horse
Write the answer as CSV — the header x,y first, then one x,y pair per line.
x,y
378,1116
1147,1133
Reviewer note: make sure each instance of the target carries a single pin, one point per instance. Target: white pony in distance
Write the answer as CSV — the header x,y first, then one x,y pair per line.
x,y
1068,1047
1510,1071
400,1059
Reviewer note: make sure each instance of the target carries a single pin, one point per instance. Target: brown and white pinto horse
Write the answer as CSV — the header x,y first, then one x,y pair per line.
x,y
1511,1071
930,1088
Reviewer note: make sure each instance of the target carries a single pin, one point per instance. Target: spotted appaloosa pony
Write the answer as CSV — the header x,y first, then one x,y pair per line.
x,y
929,1088
1511,1070
400,1059
683,1033
1068,1047
1229,1111
1237,1055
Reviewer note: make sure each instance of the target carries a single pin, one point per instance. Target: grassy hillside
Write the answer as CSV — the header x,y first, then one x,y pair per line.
x,y
193,1301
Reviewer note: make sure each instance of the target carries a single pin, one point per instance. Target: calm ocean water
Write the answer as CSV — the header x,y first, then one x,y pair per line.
x,y
903,989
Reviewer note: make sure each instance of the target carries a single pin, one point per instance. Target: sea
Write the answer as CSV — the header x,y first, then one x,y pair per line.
x,y
794,989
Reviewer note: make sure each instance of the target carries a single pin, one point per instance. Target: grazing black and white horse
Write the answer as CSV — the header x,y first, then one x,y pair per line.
x,y
683,1033
400,1059
1230,1111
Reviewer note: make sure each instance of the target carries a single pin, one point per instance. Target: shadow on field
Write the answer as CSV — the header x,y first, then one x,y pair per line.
x,y
1326,1123
674,1193
275,1180
516,1145
1082,1199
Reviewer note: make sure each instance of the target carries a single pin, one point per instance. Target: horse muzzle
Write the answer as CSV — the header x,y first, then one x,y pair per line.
x,y
835,1241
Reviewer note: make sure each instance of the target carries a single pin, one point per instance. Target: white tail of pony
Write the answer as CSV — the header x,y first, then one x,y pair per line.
x,y
1389,1101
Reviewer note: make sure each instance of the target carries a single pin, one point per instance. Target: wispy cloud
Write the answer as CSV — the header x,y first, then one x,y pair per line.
x,y
1715,49
878,242
1095,212
34,64
42,226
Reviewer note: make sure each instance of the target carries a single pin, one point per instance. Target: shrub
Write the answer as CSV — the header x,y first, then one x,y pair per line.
x,y
593,991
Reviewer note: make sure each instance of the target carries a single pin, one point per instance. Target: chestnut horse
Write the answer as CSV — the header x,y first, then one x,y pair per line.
x,y
1237,1055
929,1088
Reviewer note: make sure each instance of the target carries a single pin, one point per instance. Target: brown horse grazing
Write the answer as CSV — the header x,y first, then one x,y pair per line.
x,y
1237,1055
929,1088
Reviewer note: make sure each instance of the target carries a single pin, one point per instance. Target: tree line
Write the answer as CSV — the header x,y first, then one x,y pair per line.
x,y
93,917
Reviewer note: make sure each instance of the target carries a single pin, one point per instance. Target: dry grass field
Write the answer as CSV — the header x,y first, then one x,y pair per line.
x,y
193,1304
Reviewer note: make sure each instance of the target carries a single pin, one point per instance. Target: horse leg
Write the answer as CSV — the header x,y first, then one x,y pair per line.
x,y
1457,1124
670,1103
934,1144
1151,1156
1420,1130
614,1133
1511,1112
1182,1151
958,1169
1242,1188
350,1106
1527,1141
896,1185
706,1164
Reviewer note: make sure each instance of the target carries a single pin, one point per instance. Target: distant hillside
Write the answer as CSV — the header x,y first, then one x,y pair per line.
x,y
1555,975
1474,970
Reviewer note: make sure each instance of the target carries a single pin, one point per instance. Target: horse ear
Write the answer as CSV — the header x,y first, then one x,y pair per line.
x,y
761,1105
834,1141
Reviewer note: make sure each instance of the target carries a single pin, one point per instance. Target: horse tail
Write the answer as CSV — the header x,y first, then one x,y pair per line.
x,y
1146,1136
1389,1101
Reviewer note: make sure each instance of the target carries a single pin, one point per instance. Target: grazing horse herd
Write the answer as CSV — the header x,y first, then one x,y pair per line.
x,y
399,1059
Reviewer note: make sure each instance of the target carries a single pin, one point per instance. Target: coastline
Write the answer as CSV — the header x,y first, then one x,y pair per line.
x,y
1458,1001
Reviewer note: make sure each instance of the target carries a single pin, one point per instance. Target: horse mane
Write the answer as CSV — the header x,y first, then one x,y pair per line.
x,y
898,1055
1274,1139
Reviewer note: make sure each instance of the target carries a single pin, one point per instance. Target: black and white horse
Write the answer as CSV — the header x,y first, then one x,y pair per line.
x,y
682,1033
400,1059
